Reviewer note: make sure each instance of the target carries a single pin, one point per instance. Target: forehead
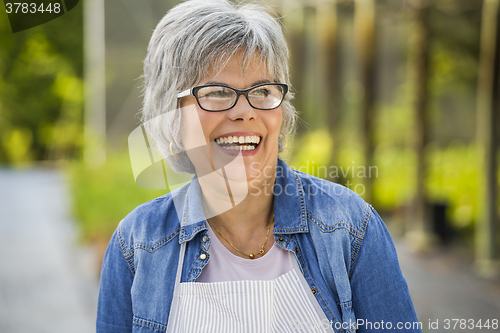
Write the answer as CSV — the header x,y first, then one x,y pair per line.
x,y
240,70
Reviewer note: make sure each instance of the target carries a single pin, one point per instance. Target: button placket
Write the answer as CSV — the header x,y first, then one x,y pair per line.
x,y
205,242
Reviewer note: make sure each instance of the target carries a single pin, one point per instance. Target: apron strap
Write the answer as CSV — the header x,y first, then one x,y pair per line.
x,y
175,298
311,297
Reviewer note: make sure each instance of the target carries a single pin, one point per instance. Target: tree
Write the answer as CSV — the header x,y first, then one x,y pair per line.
x,y
488,102
364,25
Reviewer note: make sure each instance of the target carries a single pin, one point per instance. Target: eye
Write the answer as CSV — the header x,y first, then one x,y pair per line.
x,y
261,92
219,94
215,92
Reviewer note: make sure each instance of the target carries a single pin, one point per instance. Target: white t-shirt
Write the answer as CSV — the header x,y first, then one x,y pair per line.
x,y
225,266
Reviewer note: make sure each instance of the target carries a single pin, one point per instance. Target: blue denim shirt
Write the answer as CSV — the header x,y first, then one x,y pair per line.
x,y
341,245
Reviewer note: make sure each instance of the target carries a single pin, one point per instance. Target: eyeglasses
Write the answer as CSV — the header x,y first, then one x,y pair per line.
x,y
217,97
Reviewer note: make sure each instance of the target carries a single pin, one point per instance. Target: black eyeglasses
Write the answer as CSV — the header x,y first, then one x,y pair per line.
x,y
217,97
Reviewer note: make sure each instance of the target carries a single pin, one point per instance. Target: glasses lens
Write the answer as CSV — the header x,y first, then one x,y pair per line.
x,y
266,97
215,98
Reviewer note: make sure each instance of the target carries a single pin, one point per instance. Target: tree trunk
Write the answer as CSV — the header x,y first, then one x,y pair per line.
x,y
312,112
420,231
364,25
487,252
329,76
294,21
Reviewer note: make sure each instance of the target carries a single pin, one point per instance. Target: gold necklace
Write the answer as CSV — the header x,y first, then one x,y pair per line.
x,y
251,255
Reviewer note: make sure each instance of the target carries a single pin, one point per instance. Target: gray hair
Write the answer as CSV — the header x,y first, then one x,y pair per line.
x,y
192,39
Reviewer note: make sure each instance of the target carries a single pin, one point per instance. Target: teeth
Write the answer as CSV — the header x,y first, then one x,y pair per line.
x,y
239,147
239,139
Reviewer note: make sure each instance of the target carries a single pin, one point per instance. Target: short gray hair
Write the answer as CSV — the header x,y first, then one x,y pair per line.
x,y
192,39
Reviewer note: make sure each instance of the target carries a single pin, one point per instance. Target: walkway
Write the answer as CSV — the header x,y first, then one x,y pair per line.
x,y
443,286
47,283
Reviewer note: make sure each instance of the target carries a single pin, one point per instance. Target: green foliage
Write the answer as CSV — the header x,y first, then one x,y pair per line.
x,y
453,177
452,174
396,182
102,196
16,144
41,90
313,151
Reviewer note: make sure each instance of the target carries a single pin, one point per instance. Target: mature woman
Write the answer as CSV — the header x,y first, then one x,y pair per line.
x,y
249,245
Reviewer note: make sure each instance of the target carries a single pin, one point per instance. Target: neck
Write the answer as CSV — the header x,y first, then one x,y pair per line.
x,y
245,225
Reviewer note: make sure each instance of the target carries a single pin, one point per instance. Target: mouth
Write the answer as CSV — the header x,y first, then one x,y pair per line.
x,y
235,142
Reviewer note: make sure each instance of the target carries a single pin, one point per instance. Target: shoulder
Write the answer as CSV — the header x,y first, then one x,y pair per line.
x,y
153,223
331,206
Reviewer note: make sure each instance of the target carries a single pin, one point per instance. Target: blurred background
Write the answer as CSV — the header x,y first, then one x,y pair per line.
x,y
399,101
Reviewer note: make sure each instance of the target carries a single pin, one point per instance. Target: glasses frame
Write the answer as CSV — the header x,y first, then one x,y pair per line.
x,y
194,92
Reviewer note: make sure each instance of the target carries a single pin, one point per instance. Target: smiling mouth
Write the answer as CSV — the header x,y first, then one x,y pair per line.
x,y
249,142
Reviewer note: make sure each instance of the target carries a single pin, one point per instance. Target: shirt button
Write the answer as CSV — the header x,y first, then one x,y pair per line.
x,y
281,239
296,250
203,256
204,238
314,291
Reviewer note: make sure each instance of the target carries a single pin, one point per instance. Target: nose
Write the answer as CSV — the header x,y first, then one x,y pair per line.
x,y
242,110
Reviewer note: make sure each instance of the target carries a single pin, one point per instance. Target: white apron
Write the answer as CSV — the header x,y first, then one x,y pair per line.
x,y
282,305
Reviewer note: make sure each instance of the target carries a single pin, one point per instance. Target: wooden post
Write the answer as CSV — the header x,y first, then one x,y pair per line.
x,y
420,231
364,25
312,113
95,88
487,252
329,78
294,22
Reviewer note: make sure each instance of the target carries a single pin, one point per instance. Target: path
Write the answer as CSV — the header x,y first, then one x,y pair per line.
x,y
48,284
443,286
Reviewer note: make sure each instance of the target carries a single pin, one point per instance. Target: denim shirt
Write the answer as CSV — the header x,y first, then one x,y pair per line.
x,y
342,246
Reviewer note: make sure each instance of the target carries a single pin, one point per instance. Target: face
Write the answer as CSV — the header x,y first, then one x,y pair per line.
x,y
203,133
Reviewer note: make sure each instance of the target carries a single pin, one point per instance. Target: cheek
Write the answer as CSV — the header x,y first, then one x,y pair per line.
x,y
192,131
273,123
197,125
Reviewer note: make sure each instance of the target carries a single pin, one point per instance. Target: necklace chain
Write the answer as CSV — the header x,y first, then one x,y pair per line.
x,y
250,255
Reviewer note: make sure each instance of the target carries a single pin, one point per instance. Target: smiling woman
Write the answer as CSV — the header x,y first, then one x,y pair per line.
x,y
242,247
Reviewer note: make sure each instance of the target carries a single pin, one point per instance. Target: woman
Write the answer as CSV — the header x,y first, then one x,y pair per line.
x,y
249,245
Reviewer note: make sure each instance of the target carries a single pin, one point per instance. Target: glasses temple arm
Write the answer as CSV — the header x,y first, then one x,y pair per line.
x,y
184,93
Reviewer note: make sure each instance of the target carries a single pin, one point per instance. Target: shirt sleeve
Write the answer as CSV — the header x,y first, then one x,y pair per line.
x,y
114,309
381,299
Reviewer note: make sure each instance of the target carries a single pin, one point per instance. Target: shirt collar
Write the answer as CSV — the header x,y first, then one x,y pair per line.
x,y
289,202
289,206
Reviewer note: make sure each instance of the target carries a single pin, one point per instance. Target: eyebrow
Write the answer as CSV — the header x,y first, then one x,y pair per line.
x,y
252,85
